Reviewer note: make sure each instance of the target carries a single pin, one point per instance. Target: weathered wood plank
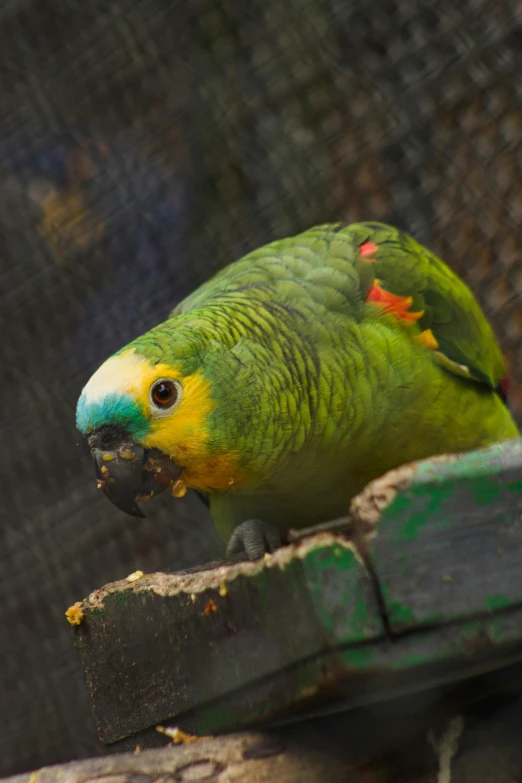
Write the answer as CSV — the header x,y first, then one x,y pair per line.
x,y
166,644
249,758
447,543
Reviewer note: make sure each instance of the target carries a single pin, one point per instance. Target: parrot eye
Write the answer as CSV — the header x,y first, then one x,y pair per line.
x,y
165,394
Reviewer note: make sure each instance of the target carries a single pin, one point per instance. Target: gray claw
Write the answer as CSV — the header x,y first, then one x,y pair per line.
x,y
253,538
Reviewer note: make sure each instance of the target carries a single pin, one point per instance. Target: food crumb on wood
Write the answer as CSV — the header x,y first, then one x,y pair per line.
x,y
210,607
134,576
447,578
75,613
223,589
179,489
179,737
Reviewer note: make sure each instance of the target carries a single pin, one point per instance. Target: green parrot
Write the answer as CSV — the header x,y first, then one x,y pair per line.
x,y
283,385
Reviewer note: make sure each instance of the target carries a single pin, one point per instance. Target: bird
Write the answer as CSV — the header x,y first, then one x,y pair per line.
x,y
284,384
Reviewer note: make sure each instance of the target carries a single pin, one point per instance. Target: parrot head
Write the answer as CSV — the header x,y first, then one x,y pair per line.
x,y
146,419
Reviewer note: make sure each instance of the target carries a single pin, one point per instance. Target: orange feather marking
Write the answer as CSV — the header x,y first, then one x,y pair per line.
x,y
367,249
391,303
427,338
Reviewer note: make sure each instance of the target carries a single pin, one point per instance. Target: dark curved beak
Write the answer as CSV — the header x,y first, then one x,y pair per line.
x,y
128,473
120,477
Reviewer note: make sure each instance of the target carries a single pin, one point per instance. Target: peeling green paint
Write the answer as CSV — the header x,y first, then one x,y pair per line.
x,y
359,619
399,506
435,496
335,556
485,491
358,657
494,602
481,462
335,568
414,659
209,719
496,628
397,612
515,487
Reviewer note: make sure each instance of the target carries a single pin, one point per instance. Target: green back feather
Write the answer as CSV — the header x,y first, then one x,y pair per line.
x,y
324,265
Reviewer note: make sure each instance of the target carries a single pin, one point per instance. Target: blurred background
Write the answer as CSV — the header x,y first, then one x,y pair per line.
x,y
143,145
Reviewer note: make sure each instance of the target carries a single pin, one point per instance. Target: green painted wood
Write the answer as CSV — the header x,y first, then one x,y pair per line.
x,y
448,540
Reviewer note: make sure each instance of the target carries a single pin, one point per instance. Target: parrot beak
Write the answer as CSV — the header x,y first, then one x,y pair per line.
x,y
127,472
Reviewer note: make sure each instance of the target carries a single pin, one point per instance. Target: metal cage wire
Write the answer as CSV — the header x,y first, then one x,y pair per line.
x,y
144,144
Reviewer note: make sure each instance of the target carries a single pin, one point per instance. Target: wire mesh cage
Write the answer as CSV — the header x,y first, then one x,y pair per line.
x,y
143,145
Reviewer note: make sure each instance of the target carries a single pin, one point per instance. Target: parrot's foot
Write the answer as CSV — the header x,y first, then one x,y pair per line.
x,y
253,538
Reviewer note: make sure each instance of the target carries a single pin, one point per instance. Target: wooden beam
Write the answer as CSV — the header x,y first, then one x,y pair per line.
x,y
467,733
425,593
167,644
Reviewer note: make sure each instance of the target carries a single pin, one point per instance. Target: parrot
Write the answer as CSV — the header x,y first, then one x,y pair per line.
x,y
288,381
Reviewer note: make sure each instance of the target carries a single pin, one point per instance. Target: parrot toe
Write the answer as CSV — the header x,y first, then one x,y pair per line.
x,y
253,539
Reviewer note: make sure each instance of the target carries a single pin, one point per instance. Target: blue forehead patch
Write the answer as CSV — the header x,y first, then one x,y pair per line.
x,y
116,410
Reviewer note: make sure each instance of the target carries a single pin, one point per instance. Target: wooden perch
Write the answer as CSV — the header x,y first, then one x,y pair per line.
x,y
448,736
427,592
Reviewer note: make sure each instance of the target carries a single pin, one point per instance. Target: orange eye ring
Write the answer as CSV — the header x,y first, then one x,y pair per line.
x,y
164,393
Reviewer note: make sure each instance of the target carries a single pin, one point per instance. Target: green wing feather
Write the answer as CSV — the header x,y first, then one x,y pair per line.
x,y
467,345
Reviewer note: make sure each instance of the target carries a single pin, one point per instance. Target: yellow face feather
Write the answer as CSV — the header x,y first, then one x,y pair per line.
x,y
183,433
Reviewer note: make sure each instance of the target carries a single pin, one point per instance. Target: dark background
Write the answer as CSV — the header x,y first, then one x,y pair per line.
x,y
143,145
